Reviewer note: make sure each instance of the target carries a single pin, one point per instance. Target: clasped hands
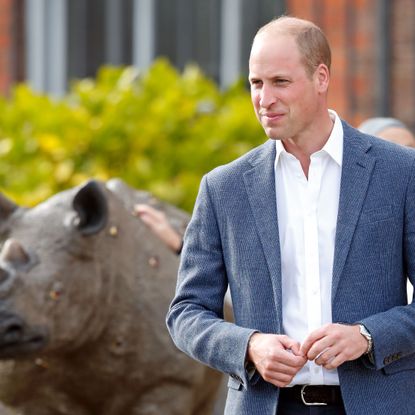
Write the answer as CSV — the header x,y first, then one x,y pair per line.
x,y
278,358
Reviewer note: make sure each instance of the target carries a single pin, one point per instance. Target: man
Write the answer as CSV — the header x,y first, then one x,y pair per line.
x,y
314,232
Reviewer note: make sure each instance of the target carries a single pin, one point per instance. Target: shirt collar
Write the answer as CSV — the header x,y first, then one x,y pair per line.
x,y
333,146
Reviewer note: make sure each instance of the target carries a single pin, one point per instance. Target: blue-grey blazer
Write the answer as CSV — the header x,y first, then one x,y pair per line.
x,y
232,240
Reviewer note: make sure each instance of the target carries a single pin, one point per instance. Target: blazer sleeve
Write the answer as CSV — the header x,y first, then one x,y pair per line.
x,y
393,331
195,318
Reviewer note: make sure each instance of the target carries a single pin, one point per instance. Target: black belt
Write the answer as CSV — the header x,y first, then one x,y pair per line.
x,y
312,394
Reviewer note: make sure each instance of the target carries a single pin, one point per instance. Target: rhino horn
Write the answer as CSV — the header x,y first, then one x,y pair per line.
x,y
14,253
7,207
91,207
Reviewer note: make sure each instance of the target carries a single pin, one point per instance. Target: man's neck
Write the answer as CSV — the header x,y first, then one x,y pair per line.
x,y
303,147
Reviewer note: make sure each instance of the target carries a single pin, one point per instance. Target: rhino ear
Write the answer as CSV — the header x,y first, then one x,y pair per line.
x,y
7,207
91,207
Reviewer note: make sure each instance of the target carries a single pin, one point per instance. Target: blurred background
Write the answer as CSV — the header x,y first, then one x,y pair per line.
x,y
155,91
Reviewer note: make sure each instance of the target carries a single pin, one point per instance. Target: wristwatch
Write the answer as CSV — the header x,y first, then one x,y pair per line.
x,y
365,333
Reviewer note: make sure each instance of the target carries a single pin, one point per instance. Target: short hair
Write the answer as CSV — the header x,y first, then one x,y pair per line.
x,y
310,39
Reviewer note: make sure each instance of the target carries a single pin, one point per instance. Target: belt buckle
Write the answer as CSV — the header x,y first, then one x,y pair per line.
x,y
303,388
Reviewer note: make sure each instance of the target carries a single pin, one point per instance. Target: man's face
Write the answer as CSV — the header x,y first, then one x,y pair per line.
x,y
285,98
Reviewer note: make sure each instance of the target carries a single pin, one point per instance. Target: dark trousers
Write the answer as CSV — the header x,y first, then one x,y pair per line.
x,y
295,408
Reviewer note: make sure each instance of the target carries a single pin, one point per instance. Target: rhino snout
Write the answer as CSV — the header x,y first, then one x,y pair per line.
x,y
11,329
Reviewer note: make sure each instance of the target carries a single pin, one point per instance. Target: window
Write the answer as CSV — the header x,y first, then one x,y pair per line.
x,y
69,39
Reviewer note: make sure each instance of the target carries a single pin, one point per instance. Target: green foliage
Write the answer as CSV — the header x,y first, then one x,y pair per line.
x,y
159,131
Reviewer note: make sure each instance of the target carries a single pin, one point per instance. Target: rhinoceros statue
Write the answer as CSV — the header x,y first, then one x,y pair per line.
x,y
84,289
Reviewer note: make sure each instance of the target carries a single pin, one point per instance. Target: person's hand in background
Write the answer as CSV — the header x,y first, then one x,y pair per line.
x,y
158,223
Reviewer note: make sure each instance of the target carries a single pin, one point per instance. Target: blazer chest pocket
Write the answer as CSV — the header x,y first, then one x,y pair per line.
x,y
376,215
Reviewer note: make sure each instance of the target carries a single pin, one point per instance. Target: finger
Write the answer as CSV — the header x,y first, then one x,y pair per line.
x,y
319,347
273,369
291,345
323,356
296,350
279,375
281,360
334,362
311,339
153,218
326,357
281,379
143,209
289,358
139,208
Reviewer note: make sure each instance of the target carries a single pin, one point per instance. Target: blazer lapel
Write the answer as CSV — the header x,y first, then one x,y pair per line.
x,y
259,181
356,173
260,187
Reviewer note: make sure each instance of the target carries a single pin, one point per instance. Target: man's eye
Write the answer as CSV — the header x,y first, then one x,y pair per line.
x,y
256,82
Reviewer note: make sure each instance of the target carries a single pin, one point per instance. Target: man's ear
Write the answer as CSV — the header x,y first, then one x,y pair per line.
x,y
91,207
322,76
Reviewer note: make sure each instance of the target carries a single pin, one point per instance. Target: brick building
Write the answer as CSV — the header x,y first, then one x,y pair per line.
x,y
373,44
50,42
11,44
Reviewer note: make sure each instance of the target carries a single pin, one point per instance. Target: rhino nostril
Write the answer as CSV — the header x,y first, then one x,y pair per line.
x,y
13,332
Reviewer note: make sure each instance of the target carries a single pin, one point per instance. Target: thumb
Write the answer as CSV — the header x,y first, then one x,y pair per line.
x,y
296,350
292,345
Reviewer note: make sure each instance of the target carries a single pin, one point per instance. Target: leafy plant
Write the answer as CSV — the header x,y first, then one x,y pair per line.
x,y
158,130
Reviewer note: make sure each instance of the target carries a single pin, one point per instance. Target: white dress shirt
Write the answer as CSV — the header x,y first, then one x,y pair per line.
x,y
307,216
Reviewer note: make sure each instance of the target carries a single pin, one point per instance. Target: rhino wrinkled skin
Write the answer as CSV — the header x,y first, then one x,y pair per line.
x,y
84,289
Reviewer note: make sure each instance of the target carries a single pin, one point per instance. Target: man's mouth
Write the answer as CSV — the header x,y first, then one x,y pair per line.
x,y
271,116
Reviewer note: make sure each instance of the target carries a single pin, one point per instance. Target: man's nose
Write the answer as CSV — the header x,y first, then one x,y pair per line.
x,y
267,97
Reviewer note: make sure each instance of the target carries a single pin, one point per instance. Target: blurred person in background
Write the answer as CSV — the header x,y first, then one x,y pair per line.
x,y
390,129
